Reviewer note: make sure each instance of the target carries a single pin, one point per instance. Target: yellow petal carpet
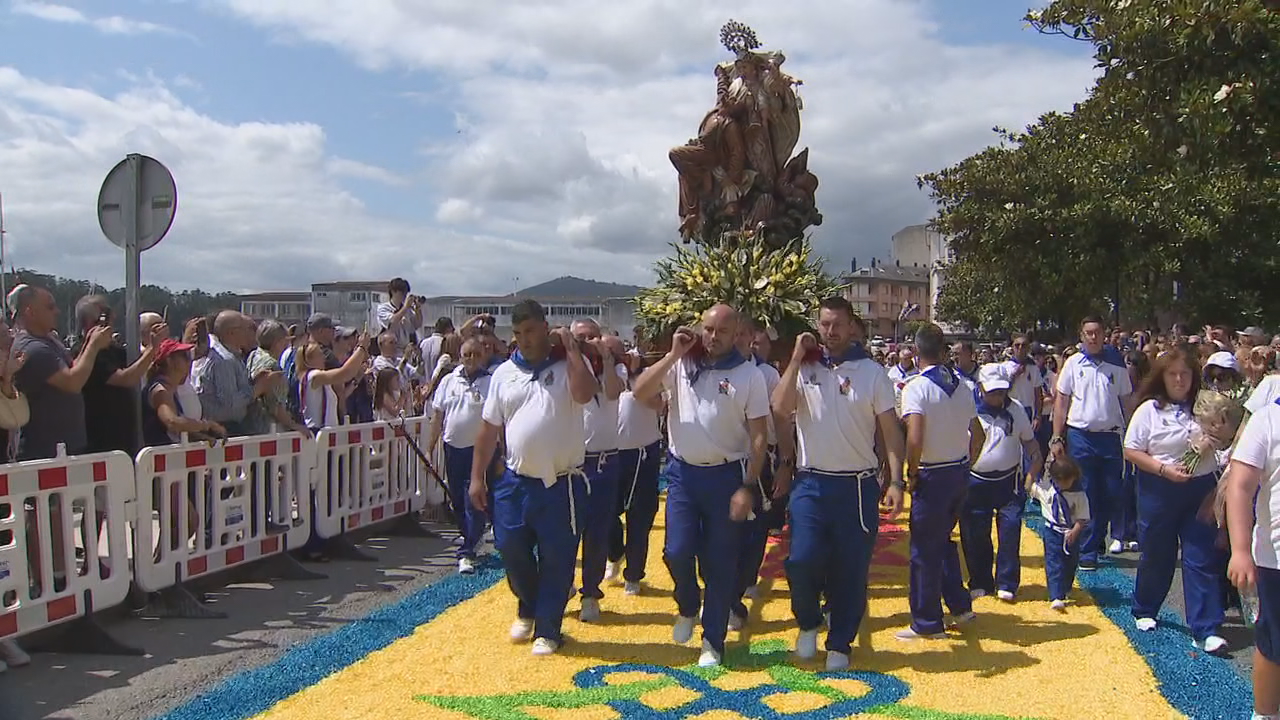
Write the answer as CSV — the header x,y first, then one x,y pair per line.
x,y
1019,660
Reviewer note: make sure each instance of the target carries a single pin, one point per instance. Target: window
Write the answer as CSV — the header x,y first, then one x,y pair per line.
x,y
322,294
358,297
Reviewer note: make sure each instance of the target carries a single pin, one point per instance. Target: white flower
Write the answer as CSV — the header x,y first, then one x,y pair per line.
x,y
1224,92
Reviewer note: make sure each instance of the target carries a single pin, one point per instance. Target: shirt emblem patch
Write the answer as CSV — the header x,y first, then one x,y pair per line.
x,y
551,377
845,384
724,386
813,378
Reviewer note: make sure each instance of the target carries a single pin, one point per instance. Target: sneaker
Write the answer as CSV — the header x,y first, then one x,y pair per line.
x,y
1213,644
521,630
1005,595
631,588
612,572
590,610
807,644
543,647
736,622
911,634
12,655
1131,546
709,656
964,619
683,631
751,593
1087,566
1145,624
1059,605
837,661
466,566
1116,547
977,593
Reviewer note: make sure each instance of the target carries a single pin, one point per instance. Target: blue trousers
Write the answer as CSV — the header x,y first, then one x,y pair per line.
x,y
987,498
1124,515
834,521
535,527
935,561
1101,462
597,523
638,506
701,539
470,519
755,538
1059,564
1167,518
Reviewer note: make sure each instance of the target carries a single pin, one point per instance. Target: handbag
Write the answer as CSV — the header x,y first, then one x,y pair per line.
x,y
14,411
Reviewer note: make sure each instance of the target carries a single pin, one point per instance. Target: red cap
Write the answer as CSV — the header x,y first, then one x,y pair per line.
x,y
170,346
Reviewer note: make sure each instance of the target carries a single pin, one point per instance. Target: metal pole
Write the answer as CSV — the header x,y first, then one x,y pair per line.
x,y
132,275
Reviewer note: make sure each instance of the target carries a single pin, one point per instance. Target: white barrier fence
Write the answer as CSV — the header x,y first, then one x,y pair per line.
x,y
76,532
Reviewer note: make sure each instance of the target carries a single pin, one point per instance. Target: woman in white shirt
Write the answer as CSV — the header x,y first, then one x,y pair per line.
x,y
319,401
1169,501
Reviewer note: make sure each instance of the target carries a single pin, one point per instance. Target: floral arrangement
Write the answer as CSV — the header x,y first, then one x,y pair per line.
x,y
1218,415
779,289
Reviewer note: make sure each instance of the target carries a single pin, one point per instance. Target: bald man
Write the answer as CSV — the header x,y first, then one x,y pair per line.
x,y
717,433
223,383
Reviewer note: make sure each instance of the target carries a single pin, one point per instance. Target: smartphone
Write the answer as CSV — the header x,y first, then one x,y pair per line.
x,y
104,320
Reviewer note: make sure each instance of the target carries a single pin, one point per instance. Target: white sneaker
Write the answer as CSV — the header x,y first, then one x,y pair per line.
x,y
12,655
544,647
837,661
1004,595
1059,605
751,593
736,622
964,619
466,566
807,645
683,631
631,588
1116,547
709,657
1213,644
612,572
590,610
911,634
521,630
1145,624
977,593
1132,547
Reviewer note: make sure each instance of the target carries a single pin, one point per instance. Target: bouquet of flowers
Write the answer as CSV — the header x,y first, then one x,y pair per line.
x,y
1218,415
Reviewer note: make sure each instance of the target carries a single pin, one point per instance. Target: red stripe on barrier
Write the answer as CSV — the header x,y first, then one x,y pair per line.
x,y
353,437
197,566
270,545
50,478
267,448
353,521
9,624
61,608
333,440
379,433
4,485
100,471
235,555
297,444
378,513
401,507
159,463
233,453
195,458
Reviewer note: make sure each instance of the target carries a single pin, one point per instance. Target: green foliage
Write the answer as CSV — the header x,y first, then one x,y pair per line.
x,y
1167,173
779,289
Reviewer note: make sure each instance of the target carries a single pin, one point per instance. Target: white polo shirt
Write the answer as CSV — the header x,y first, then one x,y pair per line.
x,y
544,429
946,418
1265,394
1164,433
638,425
1095,389
771,380
1259,447
600,418
707,419
836,415
1023,388
462,405
1002,450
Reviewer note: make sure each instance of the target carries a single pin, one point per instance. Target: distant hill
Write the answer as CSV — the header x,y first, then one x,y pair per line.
x,y
569,288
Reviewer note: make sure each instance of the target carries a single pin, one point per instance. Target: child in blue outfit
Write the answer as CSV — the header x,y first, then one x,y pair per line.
x,y
1066,511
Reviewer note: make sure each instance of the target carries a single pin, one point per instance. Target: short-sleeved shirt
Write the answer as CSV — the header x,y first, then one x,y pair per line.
x,y
638,425
1265,394
1002,449
708,414
1164,433
836,415
462,403
1095,388
261,415
1259,447
544,430
600,417
946,418
56,416
771,380
1023,388
109,410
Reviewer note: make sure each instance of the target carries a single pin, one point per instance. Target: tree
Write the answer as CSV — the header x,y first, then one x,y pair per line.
x,y
1166,173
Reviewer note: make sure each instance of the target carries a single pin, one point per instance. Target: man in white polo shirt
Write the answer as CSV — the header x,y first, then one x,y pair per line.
x,y
717,410
1094,393
600,416
943,434
993,488
839,398
459,404
535,401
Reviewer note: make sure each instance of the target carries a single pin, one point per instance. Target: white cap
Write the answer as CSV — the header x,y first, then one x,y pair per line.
x,y
1222,360
992,376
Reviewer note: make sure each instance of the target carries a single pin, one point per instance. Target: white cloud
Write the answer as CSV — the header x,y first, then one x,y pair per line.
x,y
111,25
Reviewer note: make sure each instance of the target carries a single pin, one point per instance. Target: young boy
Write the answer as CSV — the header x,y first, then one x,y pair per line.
x,y
1066,511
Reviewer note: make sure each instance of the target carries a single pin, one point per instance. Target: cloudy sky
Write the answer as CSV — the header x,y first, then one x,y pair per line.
x,y
471,149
